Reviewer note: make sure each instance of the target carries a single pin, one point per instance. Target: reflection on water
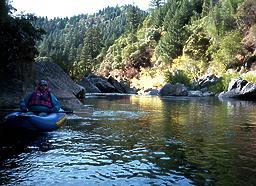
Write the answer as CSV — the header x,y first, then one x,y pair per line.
x,y
132,140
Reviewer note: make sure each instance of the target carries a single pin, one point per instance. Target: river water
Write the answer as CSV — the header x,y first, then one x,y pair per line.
x,y
139,140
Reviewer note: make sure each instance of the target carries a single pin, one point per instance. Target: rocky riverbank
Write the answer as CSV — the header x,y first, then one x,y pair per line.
x,y
19,80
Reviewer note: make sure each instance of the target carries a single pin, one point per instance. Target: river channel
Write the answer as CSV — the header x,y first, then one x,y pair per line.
x,y
140,140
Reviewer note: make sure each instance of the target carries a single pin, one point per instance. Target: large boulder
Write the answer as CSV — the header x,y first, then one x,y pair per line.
x,y
118,86
127,88
89,86
236,84
60,83
98,84
173,90
207,80
101,83
239,88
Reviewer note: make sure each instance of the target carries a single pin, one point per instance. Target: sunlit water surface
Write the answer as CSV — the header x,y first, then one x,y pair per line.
x,y
134,140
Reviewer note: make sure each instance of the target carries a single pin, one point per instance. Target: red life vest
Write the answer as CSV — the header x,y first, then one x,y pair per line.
x,y
39,98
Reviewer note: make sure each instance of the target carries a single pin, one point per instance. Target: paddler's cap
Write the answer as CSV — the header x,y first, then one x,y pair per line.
x,y
43,82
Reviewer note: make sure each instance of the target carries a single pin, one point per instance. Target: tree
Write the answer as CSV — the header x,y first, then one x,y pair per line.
x,y
171,44
197,45
91,49
133,18
155,4
207,6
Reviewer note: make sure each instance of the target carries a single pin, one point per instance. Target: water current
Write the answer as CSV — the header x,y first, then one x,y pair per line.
x,y
140,140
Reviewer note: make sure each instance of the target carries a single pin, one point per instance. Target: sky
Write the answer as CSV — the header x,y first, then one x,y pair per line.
x,y
63,8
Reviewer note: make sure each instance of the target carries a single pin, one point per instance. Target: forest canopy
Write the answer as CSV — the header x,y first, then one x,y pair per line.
x,y
191,37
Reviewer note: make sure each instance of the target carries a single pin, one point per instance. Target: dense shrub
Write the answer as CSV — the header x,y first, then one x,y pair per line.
x,y
222,85
192,68
229,47
178,76
250,76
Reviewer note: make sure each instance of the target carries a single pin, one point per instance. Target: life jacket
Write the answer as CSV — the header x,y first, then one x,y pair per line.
x,y
39,98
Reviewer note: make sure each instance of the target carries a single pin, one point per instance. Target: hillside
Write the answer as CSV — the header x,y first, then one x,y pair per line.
x,y
177,41
79,43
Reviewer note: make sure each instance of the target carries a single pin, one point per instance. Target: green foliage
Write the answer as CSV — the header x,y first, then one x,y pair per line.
x,y
206,7
222,85
221,18
179,76
155,4
250,77
192,68
128,50
157,14
178,14
17,36
71,43
246,14
189,36
88,57
229,47
129,53
134,18
196,46
171,44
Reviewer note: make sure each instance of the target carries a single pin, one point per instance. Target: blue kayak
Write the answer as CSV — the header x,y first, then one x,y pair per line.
x,y
33,122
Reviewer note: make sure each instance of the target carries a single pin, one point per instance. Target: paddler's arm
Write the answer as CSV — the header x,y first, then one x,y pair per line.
x,y
55,102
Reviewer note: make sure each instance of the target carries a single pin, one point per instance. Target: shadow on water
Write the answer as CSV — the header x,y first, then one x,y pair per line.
x,y
14,143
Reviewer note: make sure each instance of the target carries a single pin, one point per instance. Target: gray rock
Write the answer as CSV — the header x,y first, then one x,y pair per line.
x,y
153,92
249,89
199,93
128,89
14,80
236,84
81,93
196,93
18,80
60,83
239,88
208,93
101,83
150,91
205,81
117,85
89,87
173,90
